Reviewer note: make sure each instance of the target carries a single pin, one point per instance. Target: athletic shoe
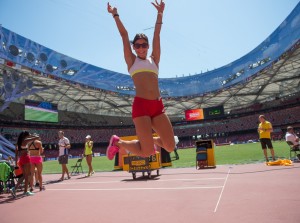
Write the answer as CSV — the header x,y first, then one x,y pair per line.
x,y
111,152
93,172
112,149
28,193
13,192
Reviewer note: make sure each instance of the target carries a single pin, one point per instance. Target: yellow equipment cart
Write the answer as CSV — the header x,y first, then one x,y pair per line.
x,y
134,164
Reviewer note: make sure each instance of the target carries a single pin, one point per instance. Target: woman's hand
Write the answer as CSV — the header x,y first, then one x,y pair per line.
x,y
159,6
112,10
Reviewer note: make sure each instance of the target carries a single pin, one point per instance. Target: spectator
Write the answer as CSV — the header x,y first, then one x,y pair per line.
x,y
176,148
64,146
11,161
292,137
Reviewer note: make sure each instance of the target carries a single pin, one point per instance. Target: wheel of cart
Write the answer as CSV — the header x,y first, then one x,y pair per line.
x,y
150,173
134,175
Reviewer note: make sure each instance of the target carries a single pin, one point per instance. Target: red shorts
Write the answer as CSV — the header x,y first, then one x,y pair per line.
x,y
24,159
18,172
145,107
36,159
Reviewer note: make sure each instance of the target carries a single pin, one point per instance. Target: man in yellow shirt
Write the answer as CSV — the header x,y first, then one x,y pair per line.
x,y
264,129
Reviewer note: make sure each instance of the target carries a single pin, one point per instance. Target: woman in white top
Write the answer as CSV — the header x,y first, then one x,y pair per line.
x,y
148,111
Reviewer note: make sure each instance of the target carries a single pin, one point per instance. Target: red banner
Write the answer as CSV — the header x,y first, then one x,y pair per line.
x,y
194,114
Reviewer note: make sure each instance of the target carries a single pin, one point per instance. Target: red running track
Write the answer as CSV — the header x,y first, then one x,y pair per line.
x,y
238,193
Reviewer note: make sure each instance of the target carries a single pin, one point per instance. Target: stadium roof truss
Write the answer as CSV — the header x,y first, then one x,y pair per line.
x,y
281,79
72,97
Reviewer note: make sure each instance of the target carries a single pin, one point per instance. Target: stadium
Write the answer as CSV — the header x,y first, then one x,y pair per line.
x,y
44,91
263,81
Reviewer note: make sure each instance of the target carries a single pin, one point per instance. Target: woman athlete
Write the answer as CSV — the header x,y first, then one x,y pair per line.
x,y
36,149
22,153
88,154
148,111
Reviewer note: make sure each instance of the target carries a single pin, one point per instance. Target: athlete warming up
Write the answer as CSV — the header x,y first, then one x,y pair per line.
x,y
148,111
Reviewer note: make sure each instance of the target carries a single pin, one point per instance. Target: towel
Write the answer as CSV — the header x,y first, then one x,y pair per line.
x,y
280,162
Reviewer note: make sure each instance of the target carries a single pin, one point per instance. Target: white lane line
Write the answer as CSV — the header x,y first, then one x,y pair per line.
x,y
107,182
86,182
138,188
216,208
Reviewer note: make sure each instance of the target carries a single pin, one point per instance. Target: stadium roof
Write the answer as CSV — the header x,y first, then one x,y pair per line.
x,y
32,71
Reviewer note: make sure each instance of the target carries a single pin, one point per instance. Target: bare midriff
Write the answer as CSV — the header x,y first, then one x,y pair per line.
x,y
146,85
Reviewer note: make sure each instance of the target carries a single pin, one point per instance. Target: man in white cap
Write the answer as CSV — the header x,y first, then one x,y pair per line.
x,y
88,153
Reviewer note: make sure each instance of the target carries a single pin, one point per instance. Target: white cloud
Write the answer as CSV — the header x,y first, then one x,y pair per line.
x,y
270,50
296,22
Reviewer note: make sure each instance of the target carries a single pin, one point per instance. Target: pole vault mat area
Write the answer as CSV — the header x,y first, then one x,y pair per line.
x,y
236,193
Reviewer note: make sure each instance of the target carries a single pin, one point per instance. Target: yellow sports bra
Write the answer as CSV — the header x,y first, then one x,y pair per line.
x,y
140,65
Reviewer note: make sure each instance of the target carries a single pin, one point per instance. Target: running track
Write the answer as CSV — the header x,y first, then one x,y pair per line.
x,y
237,193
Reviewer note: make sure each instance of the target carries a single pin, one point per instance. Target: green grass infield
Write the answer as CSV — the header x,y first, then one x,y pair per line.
x,y
229,154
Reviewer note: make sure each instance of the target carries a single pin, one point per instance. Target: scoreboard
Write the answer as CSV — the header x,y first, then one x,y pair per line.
x,y
206,113
213,112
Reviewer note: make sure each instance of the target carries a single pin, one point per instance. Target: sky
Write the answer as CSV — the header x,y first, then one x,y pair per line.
x,y
196,35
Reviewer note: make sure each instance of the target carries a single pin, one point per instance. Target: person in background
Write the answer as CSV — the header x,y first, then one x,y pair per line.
x,y
11,161
264,129
36,149
88,154
23,159
63,156
292,137
20,176
176,148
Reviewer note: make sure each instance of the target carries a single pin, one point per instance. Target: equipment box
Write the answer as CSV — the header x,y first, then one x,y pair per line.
x,y
134,164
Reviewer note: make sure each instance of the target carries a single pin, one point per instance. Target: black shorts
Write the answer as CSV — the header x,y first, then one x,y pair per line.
x,y
266,143
63,159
